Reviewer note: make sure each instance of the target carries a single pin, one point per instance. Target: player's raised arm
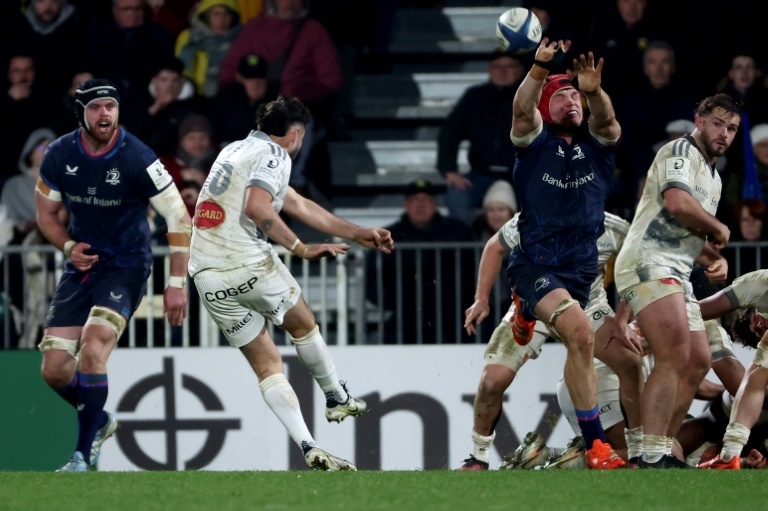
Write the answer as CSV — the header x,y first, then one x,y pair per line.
x,y
602,120
525,114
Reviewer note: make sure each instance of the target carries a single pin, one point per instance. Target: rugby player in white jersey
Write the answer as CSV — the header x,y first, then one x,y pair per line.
x,y
750,294
244,284
674,216
504,356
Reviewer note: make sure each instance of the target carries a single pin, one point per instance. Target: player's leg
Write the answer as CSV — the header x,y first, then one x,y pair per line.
x,y
697,368
313,353
503,359
244,329
59,366
746,409
565,316
660,309
629,368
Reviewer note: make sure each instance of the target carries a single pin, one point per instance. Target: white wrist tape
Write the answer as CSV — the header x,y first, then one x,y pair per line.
x,y
176,281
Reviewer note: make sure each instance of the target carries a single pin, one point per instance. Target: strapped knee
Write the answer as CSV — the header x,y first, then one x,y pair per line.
x,y
52,342
558,311
102,316
307,339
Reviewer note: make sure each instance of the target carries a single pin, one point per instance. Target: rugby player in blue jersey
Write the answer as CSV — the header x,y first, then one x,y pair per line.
x,y
106,178
562,174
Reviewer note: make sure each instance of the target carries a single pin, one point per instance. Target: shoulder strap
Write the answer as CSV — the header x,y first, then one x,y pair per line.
x,y
276,67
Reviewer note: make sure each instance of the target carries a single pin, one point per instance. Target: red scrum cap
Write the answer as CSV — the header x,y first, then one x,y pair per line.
x,y
552,84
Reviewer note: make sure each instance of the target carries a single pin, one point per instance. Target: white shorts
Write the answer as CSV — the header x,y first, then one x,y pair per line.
x,y
607,400
241,300
642,295
503,350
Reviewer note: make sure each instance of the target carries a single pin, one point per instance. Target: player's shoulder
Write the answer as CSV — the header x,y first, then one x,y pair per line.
x,y
616,224
752,277
682,147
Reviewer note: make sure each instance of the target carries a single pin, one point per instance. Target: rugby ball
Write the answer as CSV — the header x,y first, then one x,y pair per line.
x,y
518,30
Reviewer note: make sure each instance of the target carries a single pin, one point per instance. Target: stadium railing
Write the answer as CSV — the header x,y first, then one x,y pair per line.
x,y
335,289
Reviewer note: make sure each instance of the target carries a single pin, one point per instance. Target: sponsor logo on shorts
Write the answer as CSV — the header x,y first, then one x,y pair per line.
x,y
114,297
241,324
606,408
274,311
208,214
541,283
221,294
630,296
599,313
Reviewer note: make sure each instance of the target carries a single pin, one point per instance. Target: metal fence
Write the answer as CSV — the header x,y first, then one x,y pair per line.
x,y
417,295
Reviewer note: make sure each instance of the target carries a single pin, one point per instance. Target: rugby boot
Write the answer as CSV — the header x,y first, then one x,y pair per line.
x,y
103,433
666,461
75,464
473,463
571,457
530,454
602,457
319,459
717,463
522,329
335,411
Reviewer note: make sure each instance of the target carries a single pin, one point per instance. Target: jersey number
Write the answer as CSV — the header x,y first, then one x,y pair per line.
x,y
221,178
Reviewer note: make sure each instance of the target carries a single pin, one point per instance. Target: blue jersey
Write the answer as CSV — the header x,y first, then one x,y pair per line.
x,y
107,196
562,189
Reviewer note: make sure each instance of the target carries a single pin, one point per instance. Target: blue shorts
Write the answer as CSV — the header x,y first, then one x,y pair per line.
x,y
531,282
119,289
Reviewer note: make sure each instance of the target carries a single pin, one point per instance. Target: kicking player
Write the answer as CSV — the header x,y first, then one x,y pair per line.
x,y
668,233
106,178
244,283
504,356
562,174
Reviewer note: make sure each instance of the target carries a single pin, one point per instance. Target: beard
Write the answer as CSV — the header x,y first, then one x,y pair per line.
x,y
709,146
103,138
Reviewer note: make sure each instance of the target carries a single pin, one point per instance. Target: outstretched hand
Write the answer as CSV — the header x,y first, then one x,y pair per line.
x,y
375,237
547,50
587,72
475,315
314,252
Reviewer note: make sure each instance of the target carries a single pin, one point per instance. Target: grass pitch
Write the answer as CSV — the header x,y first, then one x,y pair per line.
x,y
371,490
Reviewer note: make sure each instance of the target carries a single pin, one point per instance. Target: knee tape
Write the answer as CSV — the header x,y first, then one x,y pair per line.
x,y
307,339
103,316
558,311
51,342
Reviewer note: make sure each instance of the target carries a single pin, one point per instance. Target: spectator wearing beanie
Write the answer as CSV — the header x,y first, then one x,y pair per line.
x,y
234,111
499,206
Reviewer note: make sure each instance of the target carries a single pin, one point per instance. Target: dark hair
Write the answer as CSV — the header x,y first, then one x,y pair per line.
x,y
756,208
276,117
740,329
720,100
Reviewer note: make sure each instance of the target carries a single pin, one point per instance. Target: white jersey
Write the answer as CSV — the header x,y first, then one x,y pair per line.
x,y
608,245
223,237
658,245
750,290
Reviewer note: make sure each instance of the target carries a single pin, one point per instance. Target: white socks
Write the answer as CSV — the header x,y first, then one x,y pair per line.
x,y
282,400
313,354
736,436
656,446
482,446
634,438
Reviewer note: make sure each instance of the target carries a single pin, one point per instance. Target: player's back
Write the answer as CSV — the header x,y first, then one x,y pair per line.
x,y
223,236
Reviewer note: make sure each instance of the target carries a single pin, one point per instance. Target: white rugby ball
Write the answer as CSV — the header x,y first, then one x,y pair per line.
x,y
518,30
